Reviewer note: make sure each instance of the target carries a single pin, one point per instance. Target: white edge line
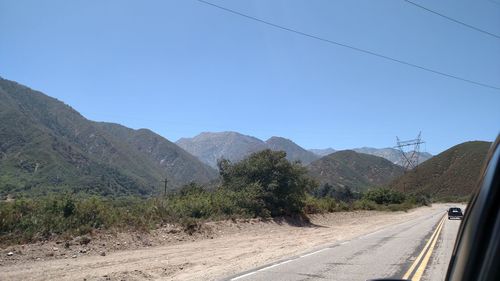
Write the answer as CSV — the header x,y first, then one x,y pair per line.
x,y
280,263
275,265
372,233
310,254
306,255
244,275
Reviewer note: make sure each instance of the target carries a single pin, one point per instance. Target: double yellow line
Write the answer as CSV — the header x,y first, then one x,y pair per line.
x,y
423,258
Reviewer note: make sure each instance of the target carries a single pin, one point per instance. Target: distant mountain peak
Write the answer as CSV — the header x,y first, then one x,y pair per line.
x,y
209,147
388,153
276,138
391,154
294,151
323,151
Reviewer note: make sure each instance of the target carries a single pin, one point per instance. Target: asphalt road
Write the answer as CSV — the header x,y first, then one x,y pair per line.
x,y
418,249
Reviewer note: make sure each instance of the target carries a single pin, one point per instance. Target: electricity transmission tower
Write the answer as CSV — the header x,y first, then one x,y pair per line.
x,y
410,151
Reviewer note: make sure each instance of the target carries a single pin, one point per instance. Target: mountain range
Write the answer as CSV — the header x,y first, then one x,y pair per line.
x,y
356,170
212,146
209,147
46,145
322,152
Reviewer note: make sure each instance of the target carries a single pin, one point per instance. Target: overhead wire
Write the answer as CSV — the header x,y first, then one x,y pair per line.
x,y
452,19
288,29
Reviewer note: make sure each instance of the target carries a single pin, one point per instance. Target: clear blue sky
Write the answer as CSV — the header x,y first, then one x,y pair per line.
x,y
182,67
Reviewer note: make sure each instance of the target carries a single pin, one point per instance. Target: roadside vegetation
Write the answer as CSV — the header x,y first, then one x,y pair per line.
x,y
264,185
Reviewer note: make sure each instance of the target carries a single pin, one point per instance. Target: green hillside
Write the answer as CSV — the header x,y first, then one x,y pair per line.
x,y
452,173
178,165
355,170
46,145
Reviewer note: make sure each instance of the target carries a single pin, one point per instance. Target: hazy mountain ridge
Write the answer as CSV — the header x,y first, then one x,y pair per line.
x,y
358,171
212,146
322,151
46,144
388,153
452,173
391,154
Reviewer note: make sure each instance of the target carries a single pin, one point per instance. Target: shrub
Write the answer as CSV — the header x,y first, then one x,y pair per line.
x,y
384,196
320,205
420,199
365,204
275,185
344,194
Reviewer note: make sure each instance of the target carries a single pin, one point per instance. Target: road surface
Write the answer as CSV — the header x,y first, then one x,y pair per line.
x,y
418,249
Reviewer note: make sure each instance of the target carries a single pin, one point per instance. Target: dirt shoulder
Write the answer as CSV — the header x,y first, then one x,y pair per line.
x,y
219,250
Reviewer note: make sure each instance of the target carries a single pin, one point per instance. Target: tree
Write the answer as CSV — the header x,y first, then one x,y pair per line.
x,y
277,185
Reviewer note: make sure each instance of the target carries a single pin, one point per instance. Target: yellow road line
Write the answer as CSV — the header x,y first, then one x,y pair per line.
x,y
420,270
419,257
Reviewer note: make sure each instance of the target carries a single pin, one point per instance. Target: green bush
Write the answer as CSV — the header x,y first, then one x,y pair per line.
x,y
276,186
344,194
384,196
405,206
365,204
29,219
420,199
320,205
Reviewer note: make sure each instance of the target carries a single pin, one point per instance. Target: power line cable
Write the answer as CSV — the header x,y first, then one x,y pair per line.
x,y
349,46
452,19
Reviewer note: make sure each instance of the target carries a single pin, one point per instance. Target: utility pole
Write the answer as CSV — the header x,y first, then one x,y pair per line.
x,y
166,181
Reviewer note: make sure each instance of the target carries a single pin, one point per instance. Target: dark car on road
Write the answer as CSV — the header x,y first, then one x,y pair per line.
x,y
455,213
